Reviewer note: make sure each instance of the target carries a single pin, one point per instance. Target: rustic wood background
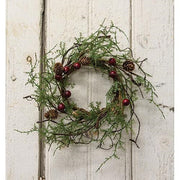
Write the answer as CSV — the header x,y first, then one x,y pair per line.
x,y
35,25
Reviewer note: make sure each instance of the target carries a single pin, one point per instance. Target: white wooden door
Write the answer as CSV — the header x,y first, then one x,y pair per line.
x,y
37,25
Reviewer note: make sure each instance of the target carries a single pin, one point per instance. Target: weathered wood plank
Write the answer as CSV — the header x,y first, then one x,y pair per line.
x,y
118,12
153,38
23,29
65,20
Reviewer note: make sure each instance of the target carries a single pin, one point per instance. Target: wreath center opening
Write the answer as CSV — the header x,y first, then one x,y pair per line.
x,y
91,86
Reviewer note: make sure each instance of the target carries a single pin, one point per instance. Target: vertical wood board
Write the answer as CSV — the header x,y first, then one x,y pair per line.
x,y
118,12
23,29
81,162
153,38
65,21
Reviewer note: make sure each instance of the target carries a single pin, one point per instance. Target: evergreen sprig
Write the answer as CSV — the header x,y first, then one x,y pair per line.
x,y
75,125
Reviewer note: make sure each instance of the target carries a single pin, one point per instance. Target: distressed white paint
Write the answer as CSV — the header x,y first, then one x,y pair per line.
x,y
23,18
74,17
119,13
153,38
64,22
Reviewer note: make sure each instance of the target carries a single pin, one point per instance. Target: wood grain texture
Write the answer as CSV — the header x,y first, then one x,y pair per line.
x,y
118,12
153,38
23,18
65,20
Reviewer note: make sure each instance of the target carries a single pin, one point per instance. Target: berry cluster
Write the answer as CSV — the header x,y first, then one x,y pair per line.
x,y
77,65
59,71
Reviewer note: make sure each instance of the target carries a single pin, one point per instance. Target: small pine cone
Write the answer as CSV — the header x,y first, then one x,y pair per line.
x,y
128,65
58,68
85,60
46,115
51,114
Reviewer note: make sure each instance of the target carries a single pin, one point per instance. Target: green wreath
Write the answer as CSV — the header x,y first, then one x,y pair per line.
x,y
64,122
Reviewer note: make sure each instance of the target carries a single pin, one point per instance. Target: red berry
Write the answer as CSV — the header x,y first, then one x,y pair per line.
x,y
113,74
58,77
66,69
61,107
67,94
77,65
112,61
126,102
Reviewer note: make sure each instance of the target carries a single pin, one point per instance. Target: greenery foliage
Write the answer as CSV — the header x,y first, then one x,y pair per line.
x,y
75,125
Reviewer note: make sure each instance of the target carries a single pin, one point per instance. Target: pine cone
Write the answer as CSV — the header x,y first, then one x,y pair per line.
x,y
128,65
85,60
58,68
51,114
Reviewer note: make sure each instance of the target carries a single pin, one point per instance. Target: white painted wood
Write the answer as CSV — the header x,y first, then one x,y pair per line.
x,y
153,38
23,18
65,20
117,11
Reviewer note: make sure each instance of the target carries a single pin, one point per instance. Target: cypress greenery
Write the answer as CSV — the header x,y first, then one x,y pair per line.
x,y
65,122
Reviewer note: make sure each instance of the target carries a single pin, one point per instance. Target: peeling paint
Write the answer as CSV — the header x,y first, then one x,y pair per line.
x,y
83,17
13,78
143,41
29,59
160,84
